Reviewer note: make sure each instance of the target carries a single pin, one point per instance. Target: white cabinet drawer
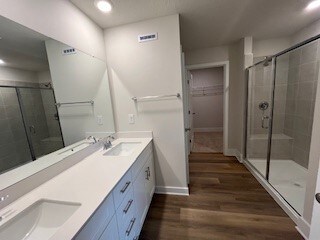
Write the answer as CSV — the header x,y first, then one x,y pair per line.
x,y
99,220
132,234
128,229
127,207
121,189
125,215
111,232
141,160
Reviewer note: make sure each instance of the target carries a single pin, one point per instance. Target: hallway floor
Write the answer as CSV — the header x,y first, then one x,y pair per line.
x,y
225,202
208,142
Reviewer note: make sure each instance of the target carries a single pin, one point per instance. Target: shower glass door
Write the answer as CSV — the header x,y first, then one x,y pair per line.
x,y
296,81
14,147
41,120
260,91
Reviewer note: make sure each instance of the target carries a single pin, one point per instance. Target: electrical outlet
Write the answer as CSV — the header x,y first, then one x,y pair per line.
x,y
99,120
131,118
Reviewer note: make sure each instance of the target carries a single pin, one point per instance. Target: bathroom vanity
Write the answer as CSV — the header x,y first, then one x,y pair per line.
x,y
106,195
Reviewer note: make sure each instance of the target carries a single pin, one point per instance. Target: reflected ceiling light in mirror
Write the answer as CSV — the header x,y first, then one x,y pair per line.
x,y
103,5
2,62
313,5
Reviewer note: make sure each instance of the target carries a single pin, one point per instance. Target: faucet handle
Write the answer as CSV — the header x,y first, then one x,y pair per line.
x,y
92,137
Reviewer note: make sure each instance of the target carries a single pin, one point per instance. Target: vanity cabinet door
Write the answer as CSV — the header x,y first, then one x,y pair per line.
x,y
140,196
111,231
98,222
150,181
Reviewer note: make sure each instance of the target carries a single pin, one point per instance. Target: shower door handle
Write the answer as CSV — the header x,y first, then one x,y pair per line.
x,y
318,197
263,121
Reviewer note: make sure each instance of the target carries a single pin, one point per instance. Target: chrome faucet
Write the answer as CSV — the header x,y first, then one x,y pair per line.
x,y
92,137
107,144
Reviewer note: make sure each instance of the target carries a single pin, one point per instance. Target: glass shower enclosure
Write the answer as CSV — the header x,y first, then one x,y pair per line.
x,y
29,125
281,95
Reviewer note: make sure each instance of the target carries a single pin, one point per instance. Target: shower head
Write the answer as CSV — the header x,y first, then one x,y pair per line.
x,y
267,61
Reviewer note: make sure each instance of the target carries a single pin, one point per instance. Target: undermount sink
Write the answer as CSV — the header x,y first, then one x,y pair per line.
x,y
74,149
123,149
40,221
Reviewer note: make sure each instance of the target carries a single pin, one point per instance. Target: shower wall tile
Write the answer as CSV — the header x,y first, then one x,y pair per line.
x,y
308,72
301,86
302,125
292,90
293,75
294,58
280,92
301,157
309,52
283,62
302,141
281,149
282,76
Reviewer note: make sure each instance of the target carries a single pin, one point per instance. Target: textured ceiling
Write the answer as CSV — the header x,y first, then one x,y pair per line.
x,y
208,23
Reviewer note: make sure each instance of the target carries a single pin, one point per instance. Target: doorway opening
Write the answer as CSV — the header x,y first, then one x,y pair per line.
x,y
206,101
206,89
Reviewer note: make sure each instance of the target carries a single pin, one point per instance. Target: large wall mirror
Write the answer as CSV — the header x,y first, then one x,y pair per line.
x,y
51,96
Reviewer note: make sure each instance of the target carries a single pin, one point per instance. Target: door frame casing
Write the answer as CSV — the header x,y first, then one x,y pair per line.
x,y
225,65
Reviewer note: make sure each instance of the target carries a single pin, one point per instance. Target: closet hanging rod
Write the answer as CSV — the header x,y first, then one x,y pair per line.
x,y
70,103
156,97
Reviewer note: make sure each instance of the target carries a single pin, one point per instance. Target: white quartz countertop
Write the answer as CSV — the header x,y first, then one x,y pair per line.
x,y
88,182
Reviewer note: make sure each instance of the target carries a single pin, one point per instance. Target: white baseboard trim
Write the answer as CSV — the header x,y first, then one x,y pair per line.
x,y
214,129
172,190
234,152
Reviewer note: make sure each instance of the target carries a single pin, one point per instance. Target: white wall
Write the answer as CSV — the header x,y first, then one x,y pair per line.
x,y
237,57
207,55
305,33
208,109
268,47
150,68
44,76
14,74
80,77
58,19
237,96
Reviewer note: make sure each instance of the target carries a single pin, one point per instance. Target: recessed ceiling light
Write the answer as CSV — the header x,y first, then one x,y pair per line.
x,y
103,5
2,62
313,5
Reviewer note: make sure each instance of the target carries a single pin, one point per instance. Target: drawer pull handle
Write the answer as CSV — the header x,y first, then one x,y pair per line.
x,y
126,209
125,187
130,226
149,174
147,177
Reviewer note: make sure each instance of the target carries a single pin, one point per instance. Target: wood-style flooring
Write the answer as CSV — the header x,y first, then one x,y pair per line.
x,y
225,202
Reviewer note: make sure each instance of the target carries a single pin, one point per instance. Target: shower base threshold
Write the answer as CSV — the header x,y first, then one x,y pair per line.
x,y
288,178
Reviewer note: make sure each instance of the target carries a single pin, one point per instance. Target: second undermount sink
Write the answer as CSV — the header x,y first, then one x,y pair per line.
x,y
123,149
40,221
74,149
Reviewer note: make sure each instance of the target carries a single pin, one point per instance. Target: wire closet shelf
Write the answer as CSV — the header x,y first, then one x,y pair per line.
x,y
155,97
207,91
